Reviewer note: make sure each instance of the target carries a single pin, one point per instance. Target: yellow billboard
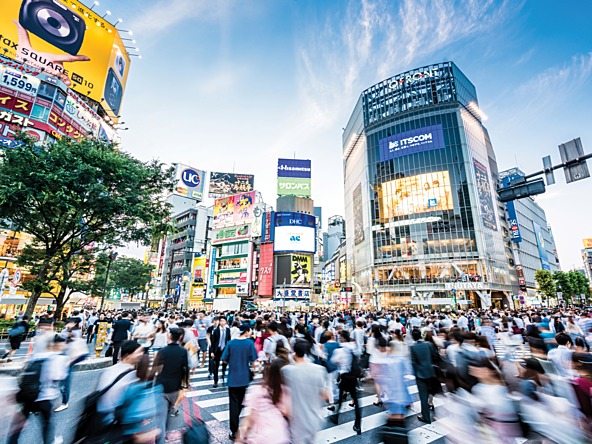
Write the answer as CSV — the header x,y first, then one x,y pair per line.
x,y
300,271
67,40
416,194
588,242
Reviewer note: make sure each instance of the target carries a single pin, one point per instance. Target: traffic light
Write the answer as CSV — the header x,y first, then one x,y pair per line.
x,y
520,188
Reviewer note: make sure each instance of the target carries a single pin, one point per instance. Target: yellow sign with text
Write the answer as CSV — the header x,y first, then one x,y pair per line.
x,y
67,40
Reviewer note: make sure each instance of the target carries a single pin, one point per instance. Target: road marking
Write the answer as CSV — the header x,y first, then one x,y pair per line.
x,y
195,393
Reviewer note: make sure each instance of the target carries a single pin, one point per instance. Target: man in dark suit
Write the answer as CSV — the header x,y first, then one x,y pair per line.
x,y
120,333
219,340
422,359
171,365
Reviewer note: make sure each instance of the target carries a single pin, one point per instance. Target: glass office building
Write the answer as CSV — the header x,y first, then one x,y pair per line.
x,y
421,208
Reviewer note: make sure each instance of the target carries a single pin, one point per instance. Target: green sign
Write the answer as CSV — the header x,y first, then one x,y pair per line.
x,y
293,186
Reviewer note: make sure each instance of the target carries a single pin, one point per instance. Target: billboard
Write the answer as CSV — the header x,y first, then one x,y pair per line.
x,y
266,270
358,215
69,41
513,220
231,233
257,219
294,232
409,142
189,182
232,210
540,240
226,184
300,271
294,177
484,195
267,227
417,194
299,168
587,242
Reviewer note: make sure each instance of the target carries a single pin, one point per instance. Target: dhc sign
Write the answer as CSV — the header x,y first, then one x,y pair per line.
x,y
409,142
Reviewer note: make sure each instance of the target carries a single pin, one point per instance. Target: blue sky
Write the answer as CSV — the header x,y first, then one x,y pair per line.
x,y
233,85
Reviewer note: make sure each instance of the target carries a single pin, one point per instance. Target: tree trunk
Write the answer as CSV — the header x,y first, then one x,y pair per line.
x,y
60,302
36,294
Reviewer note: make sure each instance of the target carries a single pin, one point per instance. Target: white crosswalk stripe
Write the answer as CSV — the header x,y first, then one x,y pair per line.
x,y
213,404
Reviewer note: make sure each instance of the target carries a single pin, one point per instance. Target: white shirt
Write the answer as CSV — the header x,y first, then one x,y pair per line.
x,y
114,397
54,369
561,357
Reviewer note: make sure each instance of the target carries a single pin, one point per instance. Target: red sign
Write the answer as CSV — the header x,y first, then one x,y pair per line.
x,y
266,270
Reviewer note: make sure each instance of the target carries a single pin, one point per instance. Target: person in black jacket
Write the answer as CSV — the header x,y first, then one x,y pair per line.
x,y
171,367
218,341
423,356
120,333
17,339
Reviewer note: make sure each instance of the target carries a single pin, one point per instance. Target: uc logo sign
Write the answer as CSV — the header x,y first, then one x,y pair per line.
x,y
190,177
294,238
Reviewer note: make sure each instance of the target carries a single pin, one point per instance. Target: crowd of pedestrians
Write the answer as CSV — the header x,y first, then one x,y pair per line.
x,y
500,374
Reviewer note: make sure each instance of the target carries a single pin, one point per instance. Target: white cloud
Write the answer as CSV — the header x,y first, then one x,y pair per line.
x,y
558,81
163,15
375,40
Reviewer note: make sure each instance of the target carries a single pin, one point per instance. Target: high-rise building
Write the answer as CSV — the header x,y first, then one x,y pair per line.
x,y
587,258
421,210
529,237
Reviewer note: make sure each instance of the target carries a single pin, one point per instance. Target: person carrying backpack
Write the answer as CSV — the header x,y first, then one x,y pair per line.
x,y
349,372
16,335
39,389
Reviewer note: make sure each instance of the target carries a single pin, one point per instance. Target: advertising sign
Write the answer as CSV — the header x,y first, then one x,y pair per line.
x,y
266,270
513,219
244,205
268,227
409,142
189,182
292,293
231,233
212,278
587,243
226,184
257,220
538,232
294,168
358,215
295,232
233,210
417,194
19,81
224,211
485,195
293,186
301,271
67,40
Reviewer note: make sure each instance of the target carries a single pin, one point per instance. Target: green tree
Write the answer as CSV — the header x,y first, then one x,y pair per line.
x,y
131,275
546,283
565,284
71,195
581,283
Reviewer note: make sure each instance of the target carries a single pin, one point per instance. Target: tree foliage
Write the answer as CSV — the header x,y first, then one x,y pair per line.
x,y
71,195
544,279
127,274
572,284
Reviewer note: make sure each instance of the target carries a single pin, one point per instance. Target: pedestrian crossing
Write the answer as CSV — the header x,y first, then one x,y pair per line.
x,y
213,405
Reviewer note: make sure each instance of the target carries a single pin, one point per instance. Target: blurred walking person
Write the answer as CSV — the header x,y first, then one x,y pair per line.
x,y
269,409
16,335
171,368
307,383
239,354
219,339
39,389
423,356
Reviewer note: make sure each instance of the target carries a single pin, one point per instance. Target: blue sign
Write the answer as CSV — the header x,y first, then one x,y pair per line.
x,y
540,240
191,178
432,203
294,219
513,217
5,142
212,272
410,142
294,168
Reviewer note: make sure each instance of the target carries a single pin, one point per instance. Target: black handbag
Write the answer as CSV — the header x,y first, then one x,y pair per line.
x,y
197,431
392,433
109,351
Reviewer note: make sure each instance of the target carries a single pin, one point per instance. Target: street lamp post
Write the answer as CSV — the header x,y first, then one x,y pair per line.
x,y
112,257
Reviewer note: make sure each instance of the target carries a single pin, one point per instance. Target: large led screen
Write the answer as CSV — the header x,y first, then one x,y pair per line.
x,y
417,194
295,238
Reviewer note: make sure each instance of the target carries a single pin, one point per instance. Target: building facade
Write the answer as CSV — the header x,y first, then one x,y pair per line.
x,y
531,240
421,211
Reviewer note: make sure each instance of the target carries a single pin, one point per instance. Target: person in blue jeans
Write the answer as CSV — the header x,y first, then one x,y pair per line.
x,y
239,354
